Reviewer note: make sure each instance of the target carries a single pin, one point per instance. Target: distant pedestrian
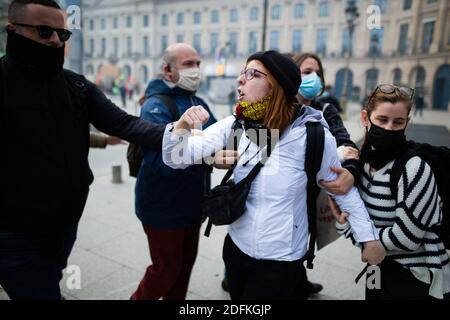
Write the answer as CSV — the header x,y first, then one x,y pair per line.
x,y
419,104
232,99
122,85
130,87
365,99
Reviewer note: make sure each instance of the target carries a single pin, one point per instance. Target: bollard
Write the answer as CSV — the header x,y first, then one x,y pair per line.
x,y
117,174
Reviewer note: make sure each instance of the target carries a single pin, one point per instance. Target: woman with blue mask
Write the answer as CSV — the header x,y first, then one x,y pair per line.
x,y
312,77
311,88
309,93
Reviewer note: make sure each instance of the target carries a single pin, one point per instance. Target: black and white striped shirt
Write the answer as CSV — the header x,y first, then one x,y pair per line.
x,y
404,223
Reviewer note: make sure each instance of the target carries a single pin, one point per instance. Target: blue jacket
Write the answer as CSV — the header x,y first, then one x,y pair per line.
x,y
168,198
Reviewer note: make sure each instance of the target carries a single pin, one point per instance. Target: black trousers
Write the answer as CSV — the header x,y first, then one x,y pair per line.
x,y
398,283
252,279
31,266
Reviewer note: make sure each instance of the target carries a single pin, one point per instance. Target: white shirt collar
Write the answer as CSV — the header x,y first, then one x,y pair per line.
x,y
171,85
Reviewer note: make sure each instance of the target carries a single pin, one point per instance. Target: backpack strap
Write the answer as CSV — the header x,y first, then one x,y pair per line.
x,y
169,102
135,154
325,106
397,170
315,142
233,140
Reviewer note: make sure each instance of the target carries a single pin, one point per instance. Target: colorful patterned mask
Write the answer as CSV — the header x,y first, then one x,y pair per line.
x,y
254,110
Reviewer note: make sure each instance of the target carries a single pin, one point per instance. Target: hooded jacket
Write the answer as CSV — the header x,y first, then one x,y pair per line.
x,y
168,198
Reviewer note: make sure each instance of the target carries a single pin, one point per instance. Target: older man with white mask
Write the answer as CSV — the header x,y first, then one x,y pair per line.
x,y
168,201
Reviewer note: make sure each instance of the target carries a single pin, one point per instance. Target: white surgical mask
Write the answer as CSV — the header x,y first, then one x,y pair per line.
x,y
189,79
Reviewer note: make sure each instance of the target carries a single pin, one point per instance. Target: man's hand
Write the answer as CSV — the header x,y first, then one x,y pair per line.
x,y
224,159
342,184
341,217
113,141
195,132
373,252
350,153
193,118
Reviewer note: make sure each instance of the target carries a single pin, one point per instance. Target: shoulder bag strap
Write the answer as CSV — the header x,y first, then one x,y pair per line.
x,y
169,102
315,142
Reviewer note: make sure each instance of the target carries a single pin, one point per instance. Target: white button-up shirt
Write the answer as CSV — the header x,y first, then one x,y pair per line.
x,y
274,225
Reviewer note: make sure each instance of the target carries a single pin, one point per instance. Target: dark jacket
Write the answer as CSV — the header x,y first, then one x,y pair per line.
x,y
168,198
332,100
44,123
339,132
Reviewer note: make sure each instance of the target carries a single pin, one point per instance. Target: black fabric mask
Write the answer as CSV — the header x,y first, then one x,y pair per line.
x,y
383,146
257,133
34,54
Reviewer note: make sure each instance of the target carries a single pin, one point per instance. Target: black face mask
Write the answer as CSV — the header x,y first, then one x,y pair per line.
x,y
383,146
34,54
386,140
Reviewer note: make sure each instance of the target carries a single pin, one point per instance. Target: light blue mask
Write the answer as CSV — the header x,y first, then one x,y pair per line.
x,y
311,86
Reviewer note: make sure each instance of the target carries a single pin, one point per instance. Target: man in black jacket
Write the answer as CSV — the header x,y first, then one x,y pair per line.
x,y
45,113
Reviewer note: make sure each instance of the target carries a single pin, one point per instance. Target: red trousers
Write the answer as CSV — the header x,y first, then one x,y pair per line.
x,y
173,253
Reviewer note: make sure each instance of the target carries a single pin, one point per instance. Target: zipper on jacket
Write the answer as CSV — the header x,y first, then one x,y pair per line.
x,y
258,199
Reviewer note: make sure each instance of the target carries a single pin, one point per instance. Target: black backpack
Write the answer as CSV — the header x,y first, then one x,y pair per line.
x,y
134,151
438,158
315,143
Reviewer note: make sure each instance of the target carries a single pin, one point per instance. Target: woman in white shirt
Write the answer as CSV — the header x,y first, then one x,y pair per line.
x,y
265,248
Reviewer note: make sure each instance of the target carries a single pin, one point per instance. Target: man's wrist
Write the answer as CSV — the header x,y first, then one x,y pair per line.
x,y
179,130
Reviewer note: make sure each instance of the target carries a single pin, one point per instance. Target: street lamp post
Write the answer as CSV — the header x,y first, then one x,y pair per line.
x,y
374,48
264,29
351,14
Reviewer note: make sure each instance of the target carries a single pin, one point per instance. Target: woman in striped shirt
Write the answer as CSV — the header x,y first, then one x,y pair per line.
x,y
417,265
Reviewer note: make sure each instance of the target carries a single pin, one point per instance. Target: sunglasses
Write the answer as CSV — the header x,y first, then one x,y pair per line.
x,y
389,89
46,32
250,73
